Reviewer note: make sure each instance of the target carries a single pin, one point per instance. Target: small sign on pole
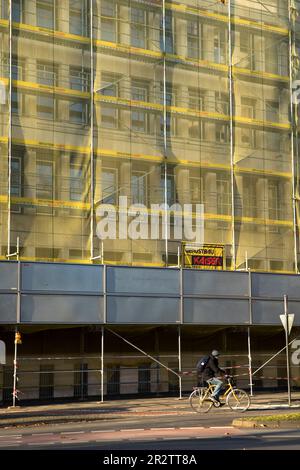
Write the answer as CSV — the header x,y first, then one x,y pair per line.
x,y
290,321
2,353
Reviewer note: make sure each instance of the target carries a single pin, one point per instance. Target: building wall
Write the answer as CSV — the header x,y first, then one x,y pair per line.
x,y
155,110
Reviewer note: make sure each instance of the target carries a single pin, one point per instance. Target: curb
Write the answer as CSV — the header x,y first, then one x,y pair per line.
x,y
58,419
258,424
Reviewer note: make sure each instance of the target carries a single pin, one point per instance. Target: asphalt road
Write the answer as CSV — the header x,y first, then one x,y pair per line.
x,y
212,431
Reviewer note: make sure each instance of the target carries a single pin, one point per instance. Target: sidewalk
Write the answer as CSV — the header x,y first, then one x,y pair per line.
x,y
95,410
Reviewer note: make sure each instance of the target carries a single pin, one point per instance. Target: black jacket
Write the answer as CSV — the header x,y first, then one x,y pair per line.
x,y
212,369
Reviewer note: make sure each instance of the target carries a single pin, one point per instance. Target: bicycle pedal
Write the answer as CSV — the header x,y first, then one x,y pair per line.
x,y
217,404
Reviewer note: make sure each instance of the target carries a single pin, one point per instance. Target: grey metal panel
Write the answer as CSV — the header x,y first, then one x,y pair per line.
x,y
266,312
143,280
275,285
8,308
62,277
196,282
61,309
216,311
142,310
8,275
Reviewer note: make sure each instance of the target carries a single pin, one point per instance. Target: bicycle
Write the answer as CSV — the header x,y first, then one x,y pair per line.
x,y
236,398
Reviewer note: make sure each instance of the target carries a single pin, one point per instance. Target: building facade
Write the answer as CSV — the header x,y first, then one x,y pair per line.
x,y
161,102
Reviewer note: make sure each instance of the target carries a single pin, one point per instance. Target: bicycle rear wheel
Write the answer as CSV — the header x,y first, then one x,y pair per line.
x,y
200,401
238,400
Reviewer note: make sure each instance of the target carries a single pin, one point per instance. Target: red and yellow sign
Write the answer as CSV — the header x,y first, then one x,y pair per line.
x,y
204,257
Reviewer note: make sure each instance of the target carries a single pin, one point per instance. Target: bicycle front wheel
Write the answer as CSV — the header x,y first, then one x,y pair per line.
x,y
238,400
200,401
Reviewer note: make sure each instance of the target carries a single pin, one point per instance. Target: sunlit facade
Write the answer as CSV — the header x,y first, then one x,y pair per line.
x,y
152,102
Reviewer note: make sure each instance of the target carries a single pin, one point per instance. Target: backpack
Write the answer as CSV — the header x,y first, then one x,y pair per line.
x,y
201,364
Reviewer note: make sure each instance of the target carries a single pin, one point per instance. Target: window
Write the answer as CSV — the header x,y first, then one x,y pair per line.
x,y
196,190
139,187
221,102
274,141
171,189
223,195
220,45
45,107
247,48
78,112
44,179
109,183
194,39
273,200
4,9
196,99
272,53
248,135
139,92
76,182
170,101
110,112
16,176
222,133
109,11
138,27
170,94
170,33
79,78
16,102
78,20
171,125
17,67
47,253
46,75
196,129
249,197
272,111
17,10
45,15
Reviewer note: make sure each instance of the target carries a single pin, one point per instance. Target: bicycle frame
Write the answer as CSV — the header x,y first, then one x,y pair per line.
x,y
236,398
210,388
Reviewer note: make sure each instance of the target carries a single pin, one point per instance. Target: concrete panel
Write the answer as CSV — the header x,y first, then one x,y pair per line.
x,y
275,285
215,283
216,311
266,312
143,281
8,308
8,275
142,310
61,309
62,277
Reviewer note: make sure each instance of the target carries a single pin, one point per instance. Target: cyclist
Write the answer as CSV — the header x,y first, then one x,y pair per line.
x,y
211,374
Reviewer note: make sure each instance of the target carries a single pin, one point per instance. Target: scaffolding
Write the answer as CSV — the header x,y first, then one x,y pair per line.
x,y
162,102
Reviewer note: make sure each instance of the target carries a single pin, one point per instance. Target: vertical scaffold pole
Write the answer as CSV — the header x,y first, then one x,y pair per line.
x,y
165,133
102,364
9,144
92,131
293,128
231,111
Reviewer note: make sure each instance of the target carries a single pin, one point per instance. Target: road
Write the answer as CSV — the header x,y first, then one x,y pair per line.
x,y
212,431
